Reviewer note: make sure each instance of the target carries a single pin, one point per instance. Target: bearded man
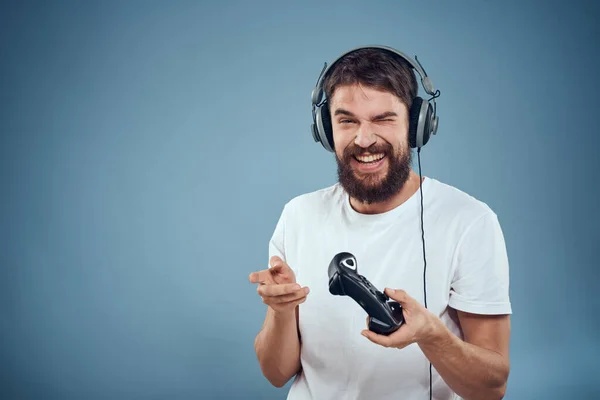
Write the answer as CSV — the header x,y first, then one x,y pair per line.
x,y
435,250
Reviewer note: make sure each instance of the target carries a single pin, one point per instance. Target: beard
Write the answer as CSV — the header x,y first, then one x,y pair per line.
x,y
374,187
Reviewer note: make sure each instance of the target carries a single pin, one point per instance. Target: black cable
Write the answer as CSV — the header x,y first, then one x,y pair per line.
x,y
424,257
422,229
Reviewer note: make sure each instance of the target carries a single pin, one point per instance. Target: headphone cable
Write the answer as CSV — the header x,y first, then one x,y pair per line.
x,y
424,257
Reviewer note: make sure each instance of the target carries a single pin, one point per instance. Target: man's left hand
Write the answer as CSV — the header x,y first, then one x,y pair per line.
x,y
420,325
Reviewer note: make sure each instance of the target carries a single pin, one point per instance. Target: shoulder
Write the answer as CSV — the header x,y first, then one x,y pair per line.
x,y
315,202
456,204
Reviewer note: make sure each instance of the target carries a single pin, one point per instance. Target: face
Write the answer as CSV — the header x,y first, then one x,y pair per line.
x,y
370,132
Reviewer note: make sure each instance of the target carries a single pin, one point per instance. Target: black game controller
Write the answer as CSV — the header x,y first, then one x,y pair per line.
x,y
385,316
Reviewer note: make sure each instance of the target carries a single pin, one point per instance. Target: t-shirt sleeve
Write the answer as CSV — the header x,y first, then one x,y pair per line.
x,y
480,284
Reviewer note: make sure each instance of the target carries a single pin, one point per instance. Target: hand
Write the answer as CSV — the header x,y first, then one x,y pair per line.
x,y
278,287
420,325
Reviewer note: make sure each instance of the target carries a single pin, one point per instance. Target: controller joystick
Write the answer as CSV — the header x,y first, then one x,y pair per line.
x,y
385,315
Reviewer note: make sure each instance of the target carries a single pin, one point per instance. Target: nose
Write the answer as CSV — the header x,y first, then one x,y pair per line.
x,y
365,136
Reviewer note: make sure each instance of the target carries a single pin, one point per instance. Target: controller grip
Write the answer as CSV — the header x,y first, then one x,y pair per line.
x,y
383,328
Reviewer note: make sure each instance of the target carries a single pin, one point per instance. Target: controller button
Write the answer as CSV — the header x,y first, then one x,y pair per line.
x,y
382,296
348,263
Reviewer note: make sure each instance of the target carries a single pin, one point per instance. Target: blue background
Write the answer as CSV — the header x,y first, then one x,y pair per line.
x,y
147,149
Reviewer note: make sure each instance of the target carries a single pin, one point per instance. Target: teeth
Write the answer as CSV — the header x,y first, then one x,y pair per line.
x,y
371,158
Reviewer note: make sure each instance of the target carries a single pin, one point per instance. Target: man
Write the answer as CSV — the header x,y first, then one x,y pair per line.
x,y
437,251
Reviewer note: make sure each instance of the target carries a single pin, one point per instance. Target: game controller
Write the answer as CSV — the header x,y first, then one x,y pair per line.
x,y
385,316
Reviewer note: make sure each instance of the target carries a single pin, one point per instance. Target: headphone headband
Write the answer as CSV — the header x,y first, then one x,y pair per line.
x,y
423,119
317,93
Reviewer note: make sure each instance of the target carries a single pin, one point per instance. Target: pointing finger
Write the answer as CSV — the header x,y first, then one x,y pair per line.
x,y
259,276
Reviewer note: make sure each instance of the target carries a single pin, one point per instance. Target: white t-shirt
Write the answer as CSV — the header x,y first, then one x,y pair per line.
x,y
467,269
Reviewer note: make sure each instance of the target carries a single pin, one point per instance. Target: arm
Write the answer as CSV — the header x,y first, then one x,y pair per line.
x,y
478,367
277,347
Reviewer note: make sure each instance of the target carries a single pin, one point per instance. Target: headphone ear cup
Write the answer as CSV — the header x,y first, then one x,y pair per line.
x,y
324,127
420,122
413,121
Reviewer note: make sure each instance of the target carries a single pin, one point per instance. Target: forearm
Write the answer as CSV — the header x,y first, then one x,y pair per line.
x,y
278,348
470,371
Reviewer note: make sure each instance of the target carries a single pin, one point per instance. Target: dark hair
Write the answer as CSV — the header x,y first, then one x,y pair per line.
x,y
375,68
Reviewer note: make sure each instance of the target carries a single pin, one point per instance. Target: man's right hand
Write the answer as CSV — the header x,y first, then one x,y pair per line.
x,y
278,287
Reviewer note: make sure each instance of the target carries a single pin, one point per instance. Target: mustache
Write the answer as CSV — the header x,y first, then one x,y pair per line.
x,y
354,150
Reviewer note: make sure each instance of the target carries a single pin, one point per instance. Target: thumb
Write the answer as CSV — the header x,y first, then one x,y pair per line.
x,y
276,261
279,265
400,296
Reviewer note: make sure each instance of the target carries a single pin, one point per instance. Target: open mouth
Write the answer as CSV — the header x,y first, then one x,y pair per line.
x,y
370,159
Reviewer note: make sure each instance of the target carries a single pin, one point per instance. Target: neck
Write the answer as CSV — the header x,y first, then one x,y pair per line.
x,y
409,188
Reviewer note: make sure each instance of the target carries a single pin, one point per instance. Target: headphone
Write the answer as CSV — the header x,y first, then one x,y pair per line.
x,y
423,121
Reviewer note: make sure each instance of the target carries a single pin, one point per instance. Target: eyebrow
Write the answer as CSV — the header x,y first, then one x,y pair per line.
x,y
341,111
